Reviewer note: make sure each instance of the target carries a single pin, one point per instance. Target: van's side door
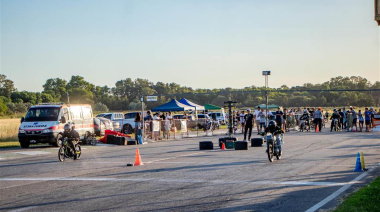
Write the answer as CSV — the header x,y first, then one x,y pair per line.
x,y
88,122
77,118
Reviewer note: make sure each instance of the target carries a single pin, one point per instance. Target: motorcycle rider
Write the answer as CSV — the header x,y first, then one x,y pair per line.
x,y
334,116
305,116
276,131
72,135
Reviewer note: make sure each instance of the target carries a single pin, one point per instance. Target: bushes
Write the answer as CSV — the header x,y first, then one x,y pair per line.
x,y
100,107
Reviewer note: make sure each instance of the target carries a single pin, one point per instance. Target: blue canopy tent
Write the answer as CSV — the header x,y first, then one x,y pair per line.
x,y
173,105
190,103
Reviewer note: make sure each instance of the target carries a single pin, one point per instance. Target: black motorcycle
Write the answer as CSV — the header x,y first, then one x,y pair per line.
x,y
272,146
66,151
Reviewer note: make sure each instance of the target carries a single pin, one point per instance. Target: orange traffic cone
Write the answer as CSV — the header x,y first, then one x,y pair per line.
x,y
223,146
138,161
317,128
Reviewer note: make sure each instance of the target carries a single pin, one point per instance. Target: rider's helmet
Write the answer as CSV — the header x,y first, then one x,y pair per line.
x,y
67,127
271,124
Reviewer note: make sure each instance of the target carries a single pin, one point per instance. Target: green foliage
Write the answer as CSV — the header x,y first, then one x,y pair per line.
x,y
6,86
365,199
3,105
100,107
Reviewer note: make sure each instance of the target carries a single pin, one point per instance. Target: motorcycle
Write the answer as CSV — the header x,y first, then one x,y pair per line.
x,y
304,126
272,146
65,151
336,125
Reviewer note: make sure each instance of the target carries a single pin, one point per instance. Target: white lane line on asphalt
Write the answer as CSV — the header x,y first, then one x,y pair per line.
x,y
32,153
336,193
23,209
294,183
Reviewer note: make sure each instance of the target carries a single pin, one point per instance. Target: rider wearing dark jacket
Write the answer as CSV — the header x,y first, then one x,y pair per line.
x,y
276,131
336,116
72,135
305,116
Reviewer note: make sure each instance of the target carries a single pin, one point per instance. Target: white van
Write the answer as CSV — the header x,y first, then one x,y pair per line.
x,y
219,116
44,123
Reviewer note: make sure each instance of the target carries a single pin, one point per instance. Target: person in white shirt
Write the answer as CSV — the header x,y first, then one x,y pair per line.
x,y
158,119
168,121
262,119
242,121
257,118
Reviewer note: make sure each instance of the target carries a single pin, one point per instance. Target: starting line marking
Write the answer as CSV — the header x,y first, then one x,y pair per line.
x,y
294,183
336,193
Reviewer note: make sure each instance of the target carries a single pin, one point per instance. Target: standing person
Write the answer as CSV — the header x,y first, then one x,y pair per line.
x,y
361,120
138,127
168,124
349,121
242,121
285,119
354,119
248,124
257,118
367,118
372,114
262,115
344,118
158,119
149,120
279,117
317,115
341,120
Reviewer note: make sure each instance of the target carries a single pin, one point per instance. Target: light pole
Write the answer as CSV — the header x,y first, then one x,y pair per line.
x,y
266,74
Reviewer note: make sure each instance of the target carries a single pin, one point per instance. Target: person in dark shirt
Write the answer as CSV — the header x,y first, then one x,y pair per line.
x,y
279,117
341,119
248,124
72,136
305,117
276,131
334,116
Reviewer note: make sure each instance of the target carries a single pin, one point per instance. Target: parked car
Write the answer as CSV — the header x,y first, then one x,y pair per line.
x,y
101,124
119,122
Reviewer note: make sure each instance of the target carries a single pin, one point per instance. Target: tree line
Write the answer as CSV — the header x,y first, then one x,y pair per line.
x,y
126,94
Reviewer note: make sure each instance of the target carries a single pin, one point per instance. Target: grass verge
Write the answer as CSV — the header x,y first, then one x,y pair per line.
x,y
9,144
365,199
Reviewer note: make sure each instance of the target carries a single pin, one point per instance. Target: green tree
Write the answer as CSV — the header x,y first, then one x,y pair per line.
x,y
56,88
6,86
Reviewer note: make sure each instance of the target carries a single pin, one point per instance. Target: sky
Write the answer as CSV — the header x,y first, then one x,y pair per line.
x,y
194,43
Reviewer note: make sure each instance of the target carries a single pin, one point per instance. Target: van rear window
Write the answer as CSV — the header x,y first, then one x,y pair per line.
x,y
42,114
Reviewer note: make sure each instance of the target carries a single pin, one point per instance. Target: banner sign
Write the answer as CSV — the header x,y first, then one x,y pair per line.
x,y
183,126
156,126
151,98
376,123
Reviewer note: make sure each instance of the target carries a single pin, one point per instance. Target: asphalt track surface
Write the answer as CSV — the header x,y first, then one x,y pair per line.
x,y
314,173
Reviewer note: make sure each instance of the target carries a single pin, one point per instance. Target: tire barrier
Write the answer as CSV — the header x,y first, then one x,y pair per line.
x,y
241,145
257,142
205,145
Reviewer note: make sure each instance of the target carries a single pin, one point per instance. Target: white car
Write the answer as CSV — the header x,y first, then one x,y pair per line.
x,y
218,116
